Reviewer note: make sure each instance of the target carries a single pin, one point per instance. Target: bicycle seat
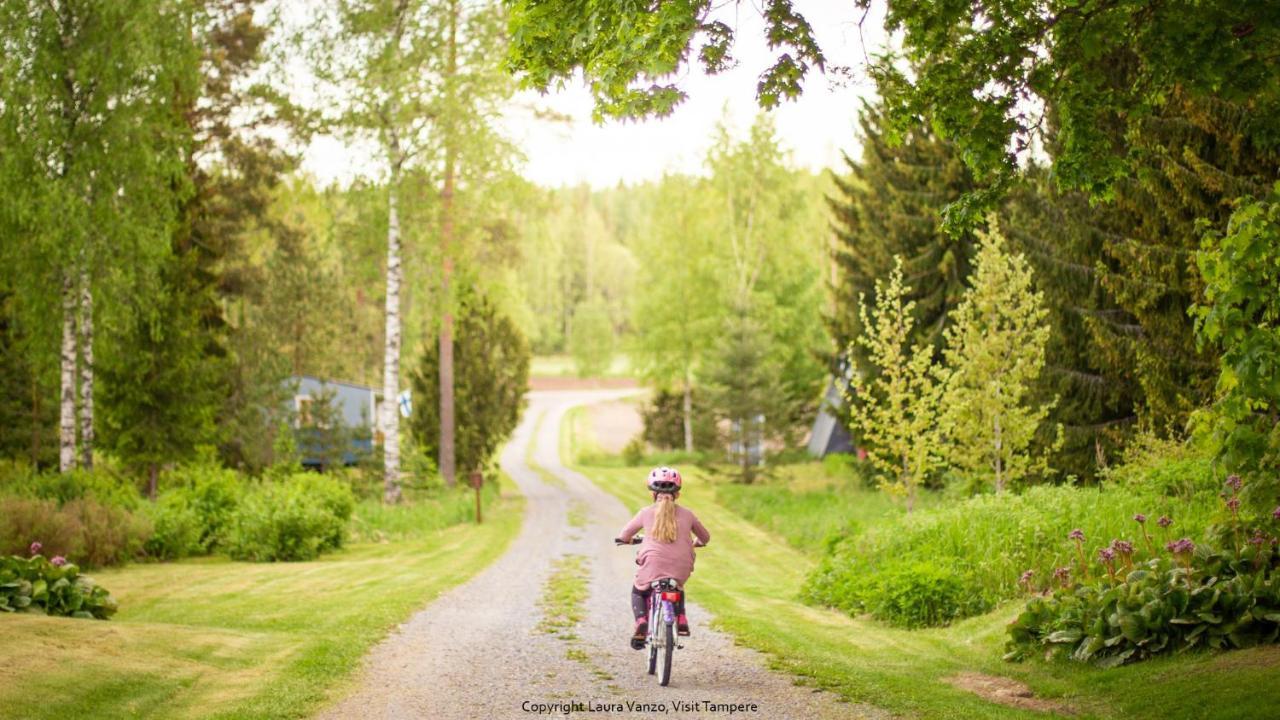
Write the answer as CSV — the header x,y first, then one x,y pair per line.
x,y
665,584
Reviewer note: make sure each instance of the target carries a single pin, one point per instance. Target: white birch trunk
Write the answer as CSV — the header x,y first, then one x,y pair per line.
x,y
391,357
86,371
67,412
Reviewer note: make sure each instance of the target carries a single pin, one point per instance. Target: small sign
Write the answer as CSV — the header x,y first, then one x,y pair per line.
x,y
406,403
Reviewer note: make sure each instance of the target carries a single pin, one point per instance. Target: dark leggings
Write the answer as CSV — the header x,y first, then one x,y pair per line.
x,y
640,605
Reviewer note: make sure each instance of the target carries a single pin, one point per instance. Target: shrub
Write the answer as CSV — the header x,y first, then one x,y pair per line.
x,y
1183,596
95,533
55,587
212,493
176,527
921,594
295,519
102,485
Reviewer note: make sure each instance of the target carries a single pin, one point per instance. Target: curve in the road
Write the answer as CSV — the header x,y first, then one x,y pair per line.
x,y
478,652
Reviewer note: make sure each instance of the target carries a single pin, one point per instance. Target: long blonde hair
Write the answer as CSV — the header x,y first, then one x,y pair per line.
x,y
664,522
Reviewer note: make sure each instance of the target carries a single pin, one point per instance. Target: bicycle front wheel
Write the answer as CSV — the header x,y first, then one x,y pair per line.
x,y
668,635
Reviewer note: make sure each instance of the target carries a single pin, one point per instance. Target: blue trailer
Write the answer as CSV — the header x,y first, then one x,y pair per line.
x,y
356,408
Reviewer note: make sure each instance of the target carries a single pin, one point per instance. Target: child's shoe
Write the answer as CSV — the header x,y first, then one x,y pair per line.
x,y
641,631
682,625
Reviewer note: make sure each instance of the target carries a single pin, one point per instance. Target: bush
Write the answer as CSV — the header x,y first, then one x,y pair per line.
x,y
102,485
212,493
55,587
177,527
295,519
94,533
995,538
921,594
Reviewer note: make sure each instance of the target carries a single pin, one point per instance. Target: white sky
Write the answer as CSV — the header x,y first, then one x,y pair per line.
x,y
815,127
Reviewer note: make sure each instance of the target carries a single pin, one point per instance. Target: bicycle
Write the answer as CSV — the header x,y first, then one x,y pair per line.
x,y
661,639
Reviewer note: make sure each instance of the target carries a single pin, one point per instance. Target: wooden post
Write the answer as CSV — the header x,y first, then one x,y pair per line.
x,y
477,480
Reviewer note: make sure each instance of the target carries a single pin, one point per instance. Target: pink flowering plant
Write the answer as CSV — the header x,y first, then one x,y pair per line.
x,y
1221,593
51,586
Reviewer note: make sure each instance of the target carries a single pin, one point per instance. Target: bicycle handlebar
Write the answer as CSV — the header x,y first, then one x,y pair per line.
x,y
637,539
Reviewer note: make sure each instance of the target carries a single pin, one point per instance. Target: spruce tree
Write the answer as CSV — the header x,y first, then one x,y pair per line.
x,y
890,205
1063,236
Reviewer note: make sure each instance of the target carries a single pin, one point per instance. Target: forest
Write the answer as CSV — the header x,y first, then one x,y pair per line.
x,y
1040,295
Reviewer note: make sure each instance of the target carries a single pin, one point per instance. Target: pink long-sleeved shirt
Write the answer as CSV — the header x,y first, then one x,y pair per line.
x,y
665,560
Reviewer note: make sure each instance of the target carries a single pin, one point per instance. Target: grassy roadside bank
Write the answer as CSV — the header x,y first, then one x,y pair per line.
x,y
215,638
749,578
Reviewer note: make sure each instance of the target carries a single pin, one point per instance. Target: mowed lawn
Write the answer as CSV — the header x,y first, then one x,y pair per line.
x,y
750,578
211,638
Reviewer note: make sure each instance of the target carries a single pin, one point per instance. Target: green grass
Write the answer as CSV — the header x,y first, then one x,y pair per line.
x,y
212,638
749,578
807,506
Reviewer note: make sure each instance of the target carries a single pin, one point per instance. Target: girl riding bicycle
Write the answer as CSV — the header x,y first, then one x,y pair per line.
x,y
667,549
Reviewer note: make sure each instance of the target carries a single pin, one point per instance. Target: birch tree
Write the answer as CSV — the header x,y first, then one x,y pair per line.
x,y
895,411
995,350
378,61
92,191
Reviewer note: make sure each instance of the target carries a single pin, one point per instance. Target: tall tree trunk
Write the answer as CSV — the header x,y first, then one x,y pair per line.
x,y
688,410
391,351
448,464
67,411
153,476
999,464
86,371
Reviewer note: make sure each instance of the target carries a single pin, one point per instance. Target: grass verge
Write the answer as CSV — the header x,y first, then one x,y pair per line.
x,y
211,638
749,579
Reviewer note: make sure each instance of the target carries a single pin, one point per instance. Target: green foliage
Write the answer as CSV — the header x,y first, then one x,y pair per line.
x,y
628,53
209,492
591,339
922,594
891,204
86,530
1241,316
35,584
995,539
894,412
994,353
1220,593
423,513
176,527
663,417
491,376
295,519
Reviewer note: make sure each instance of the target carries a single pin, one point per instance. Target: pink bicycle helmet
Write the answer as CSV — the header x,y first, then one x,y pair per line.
x,y
665,480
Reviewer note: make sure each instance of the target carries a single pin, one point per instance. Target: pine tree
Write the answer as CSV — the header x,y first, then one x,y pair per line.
x,y
890,205
994,353
747,388
894,408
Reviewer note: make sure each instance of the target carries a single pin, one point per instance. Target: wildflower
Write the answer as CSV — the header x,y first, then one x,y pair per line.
x,y
1140,518
1025,580
1179,547
1106,554
1275,514
1164,521
36,547
1122,547
1062,575
1077,535
1234,483
1257,539
58,561
1233,504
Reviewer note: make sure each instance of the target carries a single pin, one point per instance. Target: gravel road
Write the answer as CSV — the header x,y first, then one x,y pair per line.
x,y
477,652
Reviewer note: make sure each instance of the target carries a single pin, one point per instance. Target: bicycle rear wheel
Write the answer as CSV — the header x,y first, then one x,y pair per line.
x,y
668,634
653,641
